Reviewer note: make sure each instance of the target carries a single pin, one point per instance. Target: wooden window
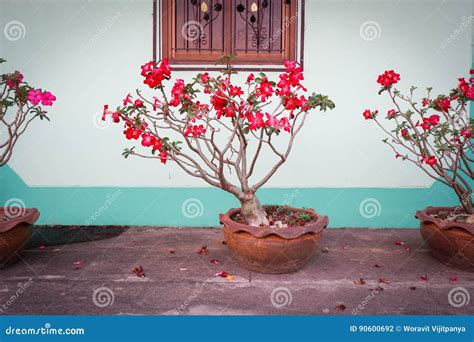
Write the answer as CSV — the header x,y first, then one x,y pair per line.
x,y
195,34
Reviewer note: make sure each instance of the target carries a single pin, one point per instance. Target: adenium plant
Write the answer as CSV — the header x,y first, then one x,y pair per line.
x,y
435,135
20,104
221,138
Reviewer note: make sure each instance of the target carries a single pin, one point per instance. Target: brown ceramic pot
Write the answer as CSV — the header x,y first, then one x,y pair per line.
x,y
450,242
271,250
15,230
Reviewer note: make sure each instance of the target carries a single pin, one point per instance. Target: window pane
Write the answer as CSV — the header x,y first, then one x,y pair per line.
x,y
199,25
258,25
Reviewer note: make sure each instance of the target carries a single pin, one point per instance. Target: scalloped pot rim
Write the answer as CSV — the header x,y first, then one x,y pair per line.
x,y
425,215
287,233
29,216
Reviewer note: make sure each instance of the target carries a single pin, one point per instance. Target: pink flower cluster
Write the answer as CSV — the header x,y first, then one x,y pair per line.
x,y
35,96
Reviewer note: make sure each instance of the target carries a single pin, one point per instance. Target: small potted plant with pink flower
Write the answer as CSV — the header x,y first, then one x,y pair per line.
x,y
216,130
435,134
20,104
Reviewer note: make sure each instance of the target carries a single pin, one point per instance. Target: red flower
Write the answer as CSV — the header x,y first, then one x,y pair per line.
x,y
163,156
425,102
388,78
165,68
369,114
404,133
35,96
466,133
431,160
219,101
434,119
265,89
154,76
205,78
250,78
443,104
255,120
235,91
138,103
194,130
14,80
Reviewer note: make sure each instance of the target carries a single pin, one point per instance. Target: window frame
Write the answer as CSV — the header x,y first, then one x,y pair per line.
x,y
260,62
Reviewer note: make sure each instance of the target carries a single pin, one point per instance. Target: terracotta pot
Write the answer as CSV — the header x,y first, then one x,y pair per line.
x,y
15,230
450,242
271,250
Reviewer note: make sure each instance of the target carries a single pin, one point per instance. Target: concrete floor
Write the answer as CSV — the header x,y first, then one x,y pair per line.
x,y
96,278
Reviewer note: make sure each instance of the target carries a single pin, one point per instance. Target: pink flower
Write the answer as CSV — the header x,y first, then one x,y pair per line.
x,y
391,113
127,99
466,133
272,121
47,98
35,96
285,124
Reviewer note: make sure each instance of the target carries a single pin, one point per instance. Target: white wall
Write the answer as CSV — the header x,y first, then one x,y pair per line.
x,y
88,53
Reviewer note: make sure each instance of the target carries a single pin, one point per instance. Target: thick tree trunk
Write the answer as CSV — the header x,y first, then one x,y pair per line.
x,y
252,211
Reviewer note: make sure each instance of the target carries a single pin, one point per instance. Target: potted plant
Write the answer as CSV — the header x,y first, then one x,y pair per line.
x,y
214,130
436,136
20,104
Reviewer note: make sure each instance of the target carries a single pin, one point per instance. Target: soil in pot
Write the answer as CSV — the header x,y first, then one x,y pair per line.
x,y
287,245
449,236
15,230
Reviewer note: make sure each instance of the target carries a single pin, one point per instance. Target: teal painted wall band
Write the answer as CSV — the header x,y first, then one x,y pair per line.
x,y
160,206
